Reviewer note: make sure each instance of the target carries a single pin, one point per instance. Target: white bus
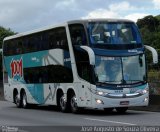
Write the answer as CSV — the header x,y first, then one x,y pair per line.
x,y
97,64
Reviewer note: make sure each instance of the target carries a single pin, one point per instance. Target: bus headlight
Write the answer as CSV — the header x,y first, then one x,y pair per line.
x,y
144,91
101,93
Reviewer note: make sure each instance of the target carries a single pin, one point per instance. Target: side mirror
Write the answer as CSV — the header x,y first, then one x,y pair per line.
x,y
154,53
90,53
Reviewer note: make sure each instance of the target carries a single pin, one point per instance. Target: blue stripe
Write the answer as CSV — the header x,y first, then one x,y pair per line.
x,y
105,52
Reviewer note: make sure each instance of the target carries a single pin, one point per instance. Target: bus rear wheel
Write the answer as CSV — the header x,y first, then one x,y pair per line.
x,y
121,110
17,100
24,100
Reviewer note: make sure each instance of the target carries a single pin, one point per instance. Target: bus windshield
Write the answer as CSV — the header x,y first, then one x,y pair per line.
x,y
113,33
120,70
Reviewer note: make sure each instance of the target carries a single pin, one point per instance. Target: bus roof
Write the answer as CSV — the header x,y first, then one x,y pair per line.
x,y
98,20
64,24
33,31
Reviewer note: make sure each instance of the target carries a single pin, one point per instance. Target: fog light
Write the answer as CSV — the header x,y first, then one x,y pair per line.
x,y
99,101
145,99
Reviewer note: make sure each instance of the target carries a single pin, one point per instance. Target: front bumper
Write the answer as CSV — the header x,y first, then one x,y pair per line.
x,y
101,102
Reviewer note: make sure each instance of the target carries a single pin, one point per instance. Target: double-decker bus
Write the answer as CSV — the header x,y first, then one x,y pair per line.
x,y
97,64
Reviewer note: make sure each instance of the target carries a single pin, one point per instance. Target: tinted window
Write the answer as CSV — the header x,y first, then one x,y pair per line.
x,y
13,47
84,69
54,38
58,38
48,74
6,48
78,35
114,35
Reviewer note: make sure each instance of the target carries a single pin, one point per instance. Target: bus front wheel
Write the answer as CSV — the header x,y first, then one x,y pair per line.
x,y
17,100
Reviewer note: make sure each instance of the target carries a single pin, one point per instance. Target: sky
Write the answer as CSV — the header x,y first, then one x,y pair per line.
x,y
26,15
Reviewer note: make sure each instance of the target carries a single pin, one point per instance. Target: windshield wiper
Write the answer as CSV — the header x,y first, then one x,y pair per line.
x,y
112,82
100,83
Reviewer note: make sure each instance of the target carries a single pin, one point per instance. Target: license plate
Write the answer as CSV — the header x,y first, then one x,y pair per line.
x,y
124,103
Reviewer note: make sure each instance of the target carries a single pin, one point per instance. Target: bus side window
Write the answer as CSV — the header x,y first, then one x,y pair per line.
x,y
30,45
52,40
19,49
78,35
25,44
58,38
6,48
45,41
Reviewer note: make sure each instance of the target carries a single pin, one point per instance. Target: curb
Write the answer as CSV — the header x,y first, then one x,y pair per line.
x,y
151,108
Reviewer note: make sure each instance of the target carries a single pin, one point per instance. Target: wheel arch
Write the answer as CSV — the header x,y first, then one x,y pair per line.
x,y
70,92
58,94
15,92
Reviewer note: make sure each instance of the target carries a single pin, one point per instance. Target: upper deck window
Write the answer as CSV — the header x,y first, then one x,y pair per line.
x,y
44,40
113,33
78,35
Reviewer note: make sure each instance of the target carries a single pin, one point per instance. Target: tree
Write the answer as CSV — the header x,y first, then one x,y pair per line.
x,y
150,22
150,30
3,33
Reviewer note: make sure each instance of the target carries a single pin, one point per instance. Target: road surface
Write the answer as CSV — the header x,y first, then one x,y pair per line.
x,y
44,118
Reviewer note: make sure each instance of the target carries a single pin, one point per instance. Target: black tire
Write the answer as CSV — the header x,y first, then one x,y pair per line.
x,y
17,100
24,100
73,104
62,103
121,110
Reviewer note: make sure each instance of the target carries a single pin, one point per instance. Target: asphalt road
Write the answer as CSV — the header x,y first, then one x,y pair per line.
x,y
44,118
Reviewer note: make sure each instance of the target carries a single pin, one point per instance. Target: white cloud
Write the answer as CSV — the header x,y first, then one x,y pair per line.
x,y
65,4
123,6
18,11
135,16
23,15
118,10
101,13
115,10
156,4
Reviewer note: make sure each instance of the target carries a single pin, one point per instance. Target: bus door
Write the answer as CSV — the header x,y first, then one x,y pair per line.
x,y
85,83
